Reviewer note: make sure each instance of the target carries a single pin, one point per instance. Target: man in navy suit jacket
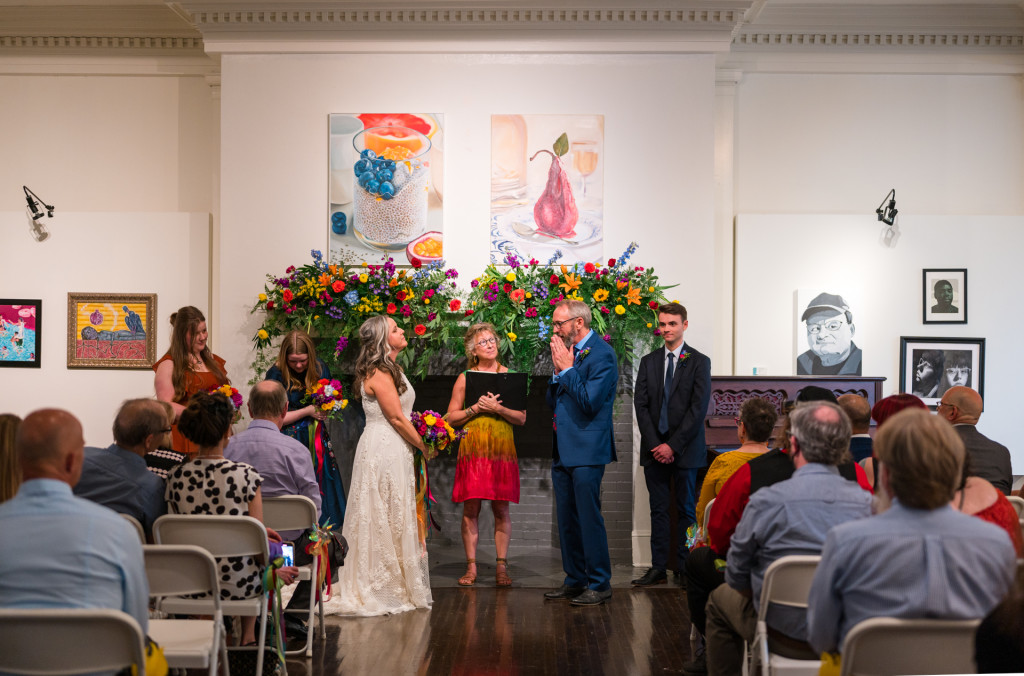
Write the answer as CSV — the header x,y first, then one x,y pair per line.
x,y
582,393
670,416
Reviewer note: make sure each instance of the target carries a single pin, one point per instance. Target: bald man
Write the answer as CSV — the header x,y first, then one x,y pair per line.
x,y
858,410
61,551
990,460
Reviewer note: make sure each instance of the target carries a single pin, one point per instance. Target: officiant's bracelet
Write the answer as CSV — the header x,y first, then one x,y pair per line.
x,y
470,411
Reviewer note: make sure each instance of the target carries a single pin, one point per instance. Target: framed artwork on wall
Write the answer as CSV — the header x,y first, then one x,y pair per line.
x,y
20,332
944,296
111,330
826,334
385,187
930,366
547,187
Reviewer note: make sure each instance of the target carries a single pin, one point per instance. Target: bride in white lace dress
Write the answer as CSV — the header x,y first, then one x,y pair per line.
x,y
386,568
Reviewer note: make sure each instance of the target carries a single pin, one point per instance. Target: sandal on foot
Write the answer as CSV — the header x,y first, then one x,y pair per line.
x,y
469,579
501,577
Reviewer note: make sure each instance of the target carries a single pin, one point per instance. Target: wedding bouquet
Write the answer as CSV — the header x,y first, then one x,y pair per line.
x,y
234,396
326,395
435,431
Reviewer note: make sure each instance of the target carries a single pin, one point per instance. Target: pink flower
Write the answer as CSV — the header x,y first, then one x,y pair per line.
x,y
531,312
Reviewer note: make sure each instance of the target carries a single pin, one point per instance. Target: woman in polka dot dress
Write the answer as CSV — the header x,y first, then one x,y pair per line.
x,y
209,484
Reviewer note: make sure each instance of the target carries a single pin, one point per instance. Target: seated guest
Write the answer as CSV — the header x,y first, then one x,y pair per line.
x,y
282,462
165,458
211,484
787,518
918,559
10,472
882,411
116,476
858,410
977,497
60,551
753,428
999,641
962,406
704,567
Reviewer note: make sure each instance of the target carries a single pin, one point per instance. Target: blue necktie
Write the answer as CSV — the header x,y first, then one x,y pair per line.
x,y
663,419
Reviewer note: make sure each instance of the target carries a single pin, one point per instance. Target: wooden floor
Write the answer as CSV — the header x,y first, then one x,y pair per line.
x,y
507,632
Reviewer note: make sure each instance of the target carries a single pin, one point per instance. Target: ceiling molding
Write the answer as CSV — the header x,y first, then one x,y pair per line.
x,y
877,39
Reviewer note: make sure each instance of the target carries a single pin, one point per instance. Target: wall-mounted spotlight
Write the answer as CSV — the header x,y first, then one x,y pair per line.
x,y
33,205
34,213
887,212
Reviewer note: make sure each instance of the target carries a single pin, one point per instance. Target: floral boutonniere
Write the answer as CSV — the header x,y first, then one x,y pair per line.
x,y
582,354
683,357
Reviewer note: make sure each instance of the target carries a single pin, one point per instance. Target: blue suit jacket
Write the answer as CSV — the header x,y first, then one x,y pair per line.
x,y
582,400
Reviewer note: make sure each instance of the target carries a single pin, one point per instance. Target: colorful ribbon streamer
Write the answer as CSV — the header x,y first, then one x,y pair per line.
x,y
424,498
272,585
319,541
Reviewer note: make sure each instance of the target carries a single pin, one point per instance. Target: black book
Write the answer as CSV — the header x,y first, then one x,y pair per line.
x,y
510,388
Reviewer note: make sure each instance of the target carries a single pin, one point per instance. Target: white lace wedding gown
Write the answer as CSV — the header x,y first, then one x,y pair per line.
x,y
386,567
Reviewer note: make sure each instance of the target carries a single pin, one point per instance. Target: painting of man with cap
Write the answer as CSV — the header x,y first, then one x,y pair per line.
x,y
830,329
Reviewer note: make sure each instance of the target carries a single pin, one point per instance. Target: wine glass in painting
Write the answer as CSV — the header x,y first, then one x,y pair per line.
x,y
584,160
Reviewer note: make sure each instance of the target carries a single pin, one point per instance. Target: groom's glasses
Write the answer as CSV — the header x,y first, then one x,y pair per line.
x,y
487,341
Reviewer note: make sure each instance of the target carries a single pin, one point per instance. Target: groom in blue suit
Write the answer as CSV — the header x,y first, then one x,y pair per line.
x,y
582,393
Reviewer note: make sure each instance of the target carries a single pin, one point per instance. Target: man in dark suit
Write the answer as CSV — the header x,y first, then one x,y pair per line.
x,y
582,393
990,460
858,410
673,388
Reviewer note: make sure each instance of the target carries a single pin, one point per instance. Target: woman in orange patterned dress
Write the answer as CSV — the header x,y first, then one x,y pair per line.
x,y
487,468
188,367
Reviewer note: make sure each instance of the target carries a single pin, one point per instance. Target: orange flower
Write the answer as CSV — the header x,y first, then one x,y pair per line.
x,y
619,284
392,309
632,296
338,286
517,295
333,269
324,279
571,282
393,282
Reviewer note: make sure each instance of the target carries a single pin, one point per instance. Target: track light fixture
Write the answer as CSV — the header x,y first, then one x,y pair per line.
x,y
33,204
887,212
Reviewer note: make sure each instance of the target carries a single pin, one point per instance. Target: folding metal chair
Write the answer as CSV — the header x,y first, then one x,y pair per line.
x,y
787,582
884,646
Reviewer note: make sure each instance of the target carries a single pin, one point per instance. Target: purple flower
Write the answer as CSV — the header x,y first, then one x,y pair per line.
x,y
312,303
406,310
340,346
475,283
607,338
451,272
430,316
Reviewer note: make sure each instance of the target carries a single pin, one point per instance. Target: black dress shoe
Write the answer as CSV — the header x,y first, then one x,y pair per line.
x,y
679,577
564,592
592,598
652,576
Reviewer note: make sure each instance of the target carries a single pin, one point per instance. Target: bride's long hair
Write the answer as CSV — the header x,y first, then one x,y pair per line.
x,y
375,354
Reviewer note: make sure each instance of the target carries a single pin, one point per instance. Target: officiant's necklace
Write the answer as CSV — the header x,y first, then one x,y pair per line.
x,y
497,368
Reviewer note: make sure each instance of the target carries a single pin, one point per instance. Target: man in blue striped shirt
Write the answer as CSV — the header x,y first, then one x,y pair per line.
x,y
786,518
918,559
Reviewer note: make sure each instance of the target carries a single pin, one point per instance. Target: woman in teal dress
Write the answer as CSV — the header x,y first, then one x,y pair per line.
x,y
308,424
487,468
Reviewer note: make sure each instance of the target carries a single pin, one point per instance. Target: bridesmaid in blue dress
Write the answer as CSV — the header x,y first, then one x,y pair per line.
x,y
308,424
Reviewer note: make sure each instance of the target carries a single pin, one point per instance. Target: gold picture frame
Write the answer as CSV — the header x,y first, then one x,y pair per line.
x,y
111,330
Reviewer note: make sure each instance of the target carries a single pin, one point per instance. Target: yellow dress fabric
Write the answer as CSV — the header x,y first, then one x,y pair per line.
x,y
724,466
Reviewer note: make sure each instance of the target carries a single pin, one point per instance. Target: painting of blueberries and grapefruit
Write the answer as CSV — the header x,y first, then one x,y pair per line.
x,y
386,186
547,187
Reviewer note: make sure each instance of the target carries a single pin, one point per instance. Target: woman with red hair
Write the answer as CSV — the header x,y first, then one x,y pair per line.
x,y
880,412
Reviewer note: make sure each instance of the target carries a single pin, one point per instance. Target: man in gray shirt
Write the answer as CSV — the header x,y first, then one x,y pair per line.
x,y
790,517
117,476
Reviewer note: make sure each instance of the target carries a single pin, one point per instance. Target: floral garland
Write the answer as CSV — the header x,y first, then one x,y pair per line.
x,y
330,302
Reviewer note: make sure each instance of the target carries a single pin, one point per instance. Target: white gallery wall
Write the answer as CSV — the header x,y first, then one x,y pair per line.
x,y
146,252
816,154
658,185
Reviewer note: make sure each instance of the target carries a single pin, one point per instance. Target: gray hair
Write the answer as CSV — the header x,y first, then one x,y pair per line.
x,y
576,308
823,431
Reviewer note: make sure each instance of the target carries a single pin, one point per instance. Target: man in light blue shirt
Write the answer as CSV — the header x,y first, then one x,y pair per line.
x,y
786,518
60,551
919,558
117,476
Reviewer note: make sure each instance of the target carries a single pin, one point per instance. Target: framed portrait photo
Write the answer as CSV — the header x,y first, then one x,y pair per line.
x,y
111,330
944,296
930,366
20,332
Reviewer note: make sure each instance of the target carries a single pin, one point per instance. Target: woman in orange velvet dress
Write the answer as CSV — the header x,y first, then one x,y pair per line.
x,y
487,468
188,367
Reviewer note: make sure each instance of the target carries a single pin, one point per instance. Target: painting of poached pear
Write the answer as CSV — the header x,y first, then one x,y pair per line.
x,y
547,187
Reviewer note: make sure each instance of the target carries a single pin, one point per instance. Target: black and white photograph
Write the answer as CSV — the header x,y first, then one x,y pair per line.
x,y
930,366
944,295
825,331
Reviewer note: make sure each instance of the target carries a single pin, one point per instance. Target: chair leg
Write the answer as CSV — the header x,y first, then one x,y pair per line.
x,y
262,640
